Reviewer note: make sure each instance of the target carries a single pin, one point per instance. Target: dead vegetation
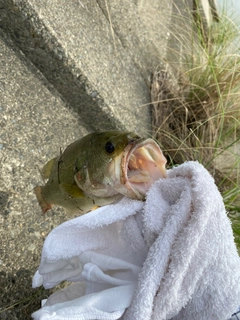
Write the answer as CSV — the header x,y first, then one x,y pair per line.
x,y
196,104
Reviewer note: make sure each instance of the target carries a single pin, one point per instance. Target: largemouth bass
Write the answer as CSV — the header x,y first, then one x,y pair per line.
x,y
100,169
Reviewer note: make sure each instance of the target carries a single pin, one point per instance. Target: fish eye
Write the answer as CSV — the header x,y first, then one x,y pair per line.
x,y
109,147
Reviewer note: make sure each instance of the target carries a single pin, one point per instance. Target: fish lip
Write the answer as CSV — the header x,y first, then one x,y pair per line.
x,y
148,144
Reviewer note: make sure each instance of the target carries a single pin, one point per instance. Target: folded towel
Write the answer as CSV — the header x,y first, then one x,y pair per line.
x,y
172,257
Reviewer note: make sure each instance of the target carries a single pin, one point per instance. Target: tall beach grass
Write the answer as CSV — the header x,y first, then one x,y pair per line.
x,y
196,103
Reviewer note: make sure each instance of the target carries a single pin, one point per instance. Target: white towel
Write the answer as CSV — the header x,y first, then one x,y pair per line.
x,y
172,257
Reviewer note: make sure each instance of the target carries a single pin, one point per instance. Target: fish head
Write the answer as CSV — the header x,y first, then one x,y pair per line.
x,y
118,162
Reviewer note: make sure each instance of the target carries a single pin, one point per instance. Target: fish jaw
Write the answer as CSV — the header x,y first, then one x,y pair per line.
x,y
142,164
105,188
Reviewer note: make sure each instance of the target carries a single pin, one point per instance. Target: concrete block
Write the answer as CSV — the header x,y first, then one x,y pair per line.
x,y
142,26
84,55
66,67
34,124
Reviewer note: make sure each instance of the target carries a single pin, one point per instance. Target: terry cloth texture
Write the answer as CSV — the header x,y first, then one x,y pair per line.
x,y
171,257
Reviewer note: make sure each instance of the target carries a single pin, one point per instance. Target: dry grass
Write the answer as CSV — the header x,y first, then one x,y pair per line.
x,y
196,104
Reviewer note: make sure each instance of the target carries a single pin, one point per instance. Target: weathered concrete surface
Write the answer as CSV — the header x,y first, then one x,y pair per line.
x,y
83,65
65,68
34,124
98,62
142,28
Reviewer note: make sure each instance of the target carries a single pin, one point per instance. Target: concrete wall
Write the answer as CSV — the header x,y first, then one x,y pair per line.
x,y
67,67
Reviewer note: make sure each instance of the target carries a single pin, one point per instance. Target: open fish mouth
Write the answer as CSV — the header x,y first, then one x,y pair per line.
x,y
142,164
